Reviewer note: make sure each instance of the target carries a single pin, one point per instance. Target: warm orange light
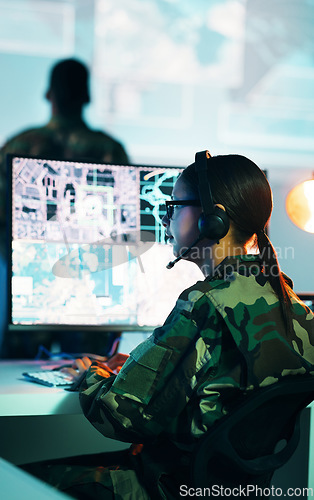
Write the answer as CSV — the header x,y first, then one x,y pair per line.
x,y
300,205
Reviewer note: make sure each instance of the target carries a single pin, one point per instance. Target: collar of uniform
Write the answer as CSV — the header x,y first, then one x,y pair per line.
x,y
242,264
66,122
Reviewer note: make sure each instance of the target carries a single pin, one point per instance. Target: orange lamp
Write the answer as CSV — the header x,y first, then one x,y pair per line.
x,y
300,205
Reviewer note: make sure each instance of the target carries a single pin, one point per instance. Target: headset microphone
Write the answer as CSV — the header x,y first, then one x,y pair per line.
x,y
183,254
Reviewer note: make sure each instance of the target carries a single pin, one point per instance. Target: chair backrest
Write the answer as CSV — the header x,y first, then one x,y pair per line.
x,y
242,447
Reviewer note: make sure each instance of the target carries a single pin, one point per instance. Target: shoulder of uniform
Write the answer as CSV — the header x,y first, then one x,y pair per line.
x,y
195,295
103,135
22,136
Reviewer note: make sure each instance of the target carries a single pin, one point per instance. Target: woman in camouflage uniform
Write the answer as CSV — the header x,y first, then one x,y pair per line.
x,y
240,329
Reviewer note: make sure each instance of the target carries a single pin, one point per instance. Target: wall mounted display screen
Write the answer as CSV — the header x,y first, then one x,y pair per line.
x,y
88,247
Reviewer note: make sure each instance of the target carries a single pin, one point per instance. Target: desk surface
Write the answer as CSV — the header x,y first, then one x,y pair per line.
x,y
18,397
35,419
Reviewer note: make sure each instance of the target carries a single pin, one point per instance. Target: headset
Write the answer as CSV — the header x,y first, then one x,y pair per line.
x,y
213,222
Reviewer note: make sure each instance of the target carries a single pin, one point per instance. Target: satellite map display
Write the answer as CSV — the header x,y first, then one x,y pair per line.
x,y
88,246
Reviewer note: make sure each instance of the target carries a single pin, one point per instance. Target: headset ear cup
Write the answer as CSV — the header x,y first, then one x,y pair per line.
x,y
214,226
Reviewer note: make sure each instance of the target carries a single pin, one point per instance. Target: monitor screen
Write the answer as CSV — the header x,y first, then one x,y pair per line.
x,y
88,247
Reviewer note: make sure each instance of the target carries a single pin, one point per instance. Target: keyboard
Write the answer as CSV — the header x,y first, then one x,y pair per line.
x,y
51,378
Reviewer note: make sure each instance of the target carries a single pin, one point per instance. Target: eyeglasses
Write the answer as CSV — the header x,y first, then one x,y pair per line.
x,y
172,203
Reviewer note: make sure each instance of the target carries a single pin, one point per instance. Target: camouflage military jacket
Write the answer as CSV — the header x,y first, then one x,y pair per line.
x,y
225,336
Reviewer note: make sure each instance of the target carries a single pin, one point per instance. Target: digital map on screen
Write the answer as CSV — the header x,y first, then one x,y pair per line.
x,y
88,246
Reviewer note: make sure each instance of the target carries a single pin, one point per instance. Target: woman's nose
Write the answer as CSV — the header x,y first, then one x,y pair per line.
x,y
165,221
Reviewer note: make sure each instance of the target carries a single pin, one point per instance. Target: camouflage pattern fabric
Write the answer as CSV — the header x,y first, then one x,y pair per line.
x,y
61,138
224,337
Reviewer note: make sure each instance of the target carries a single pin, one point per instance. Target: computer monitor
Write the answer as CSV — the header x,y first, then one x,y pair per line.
x,y
87,247
307,298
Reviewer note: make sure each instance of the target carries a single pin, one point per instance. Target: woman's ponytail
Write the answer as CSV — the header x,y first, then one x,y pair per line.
x,y
274,276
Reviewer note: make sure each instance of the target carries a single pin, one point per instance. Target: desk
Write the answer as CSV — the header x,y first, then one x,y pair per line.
x,y
39,423
18,397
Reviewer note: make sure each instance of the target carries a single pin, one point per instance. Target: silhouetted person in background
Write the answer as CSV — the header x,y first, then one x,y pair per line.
x,y
65,136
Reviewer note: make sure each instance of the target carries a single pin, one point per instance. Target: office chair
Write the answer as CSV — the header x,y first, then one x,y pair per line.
x,y
243,447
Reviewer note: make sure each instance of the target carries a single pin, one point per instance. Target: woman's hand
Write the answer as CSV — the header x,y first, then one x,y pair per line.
x,y
116,362
79,366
